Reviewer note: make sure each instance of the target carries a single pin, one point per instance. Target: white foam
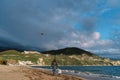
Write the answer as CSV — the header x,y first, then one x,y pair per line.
x,y
90,76
118,77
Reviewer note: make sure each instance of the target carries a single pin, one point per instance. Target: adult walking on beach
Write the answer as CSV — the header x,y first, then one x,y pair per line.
x,y
54,66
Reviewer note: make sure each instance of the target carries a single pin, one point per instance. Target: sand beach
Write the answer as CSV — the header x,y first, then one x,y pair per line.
x,y
27,73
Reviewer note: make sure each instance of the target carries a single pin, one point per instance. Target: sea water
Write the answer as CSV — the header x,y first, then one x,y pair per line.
x,y
91,72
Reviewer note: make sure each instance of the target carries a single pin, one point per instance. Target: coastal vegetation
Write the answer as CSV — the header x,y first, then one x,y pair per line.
x,y
66,56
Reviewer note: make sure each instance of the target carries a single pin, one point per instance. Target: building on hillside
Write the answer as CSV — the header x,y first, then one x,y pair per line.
x,y
31,52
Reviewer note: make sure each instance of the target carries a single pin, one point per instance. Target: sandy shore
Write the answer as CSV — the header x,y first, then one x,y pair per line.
x,y
25,73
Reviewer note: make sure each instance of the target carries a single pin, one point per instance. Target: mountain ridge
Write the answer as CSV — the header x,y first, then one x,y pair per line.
x,y
69,51
65,56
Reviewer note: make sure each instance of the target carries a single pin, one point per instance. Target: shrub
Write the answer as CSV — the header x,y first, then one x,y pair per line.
x,y
3,61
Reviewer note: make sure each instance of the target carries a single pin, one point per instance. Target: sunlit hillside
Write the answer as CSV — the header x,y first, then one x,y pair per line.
x,y
66,56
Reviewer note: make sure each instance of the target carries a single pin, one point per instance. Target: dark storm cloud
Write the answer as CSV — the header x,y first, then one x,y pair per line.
x,y
88,25
23,21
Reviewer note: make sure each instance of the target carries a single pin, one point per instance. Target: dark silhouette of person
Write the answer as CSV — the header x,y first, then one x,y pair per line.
x,y
54,66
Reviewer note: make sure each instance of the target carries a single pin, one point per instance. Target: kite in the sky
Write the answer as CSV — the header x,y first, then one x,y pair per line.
x,y
42,33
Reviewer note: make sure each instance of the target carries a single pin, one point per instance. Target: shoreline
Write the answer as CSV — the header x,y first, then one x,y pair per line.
x,y
18,72
77,65
28,73
86,75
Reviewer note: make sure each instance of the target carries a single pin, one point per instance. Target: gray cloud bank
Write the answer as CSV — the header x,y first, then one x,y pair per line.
x,y
23,21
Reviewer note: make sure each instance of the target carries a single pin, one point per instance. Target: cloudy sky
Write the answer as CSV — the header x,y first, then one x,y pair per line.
x,y
93,25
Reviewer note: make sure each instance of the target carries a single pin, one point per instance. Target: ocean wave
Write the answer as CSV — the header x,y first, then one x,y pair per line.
x,y
118,77
91,75
86,74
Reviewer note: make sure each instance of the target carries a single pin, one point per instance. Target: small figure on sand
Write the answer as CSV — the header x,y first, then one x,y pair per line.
x,y
54,66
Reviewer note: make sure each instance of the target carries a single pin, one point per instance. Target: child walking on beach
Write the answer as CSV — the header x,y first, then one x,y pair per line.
x,y
54,66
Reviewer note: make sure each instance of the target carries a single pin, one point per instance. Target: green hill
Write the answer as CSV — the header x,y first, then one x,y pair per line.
x,y
66,56
16,55
76,56
69,51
